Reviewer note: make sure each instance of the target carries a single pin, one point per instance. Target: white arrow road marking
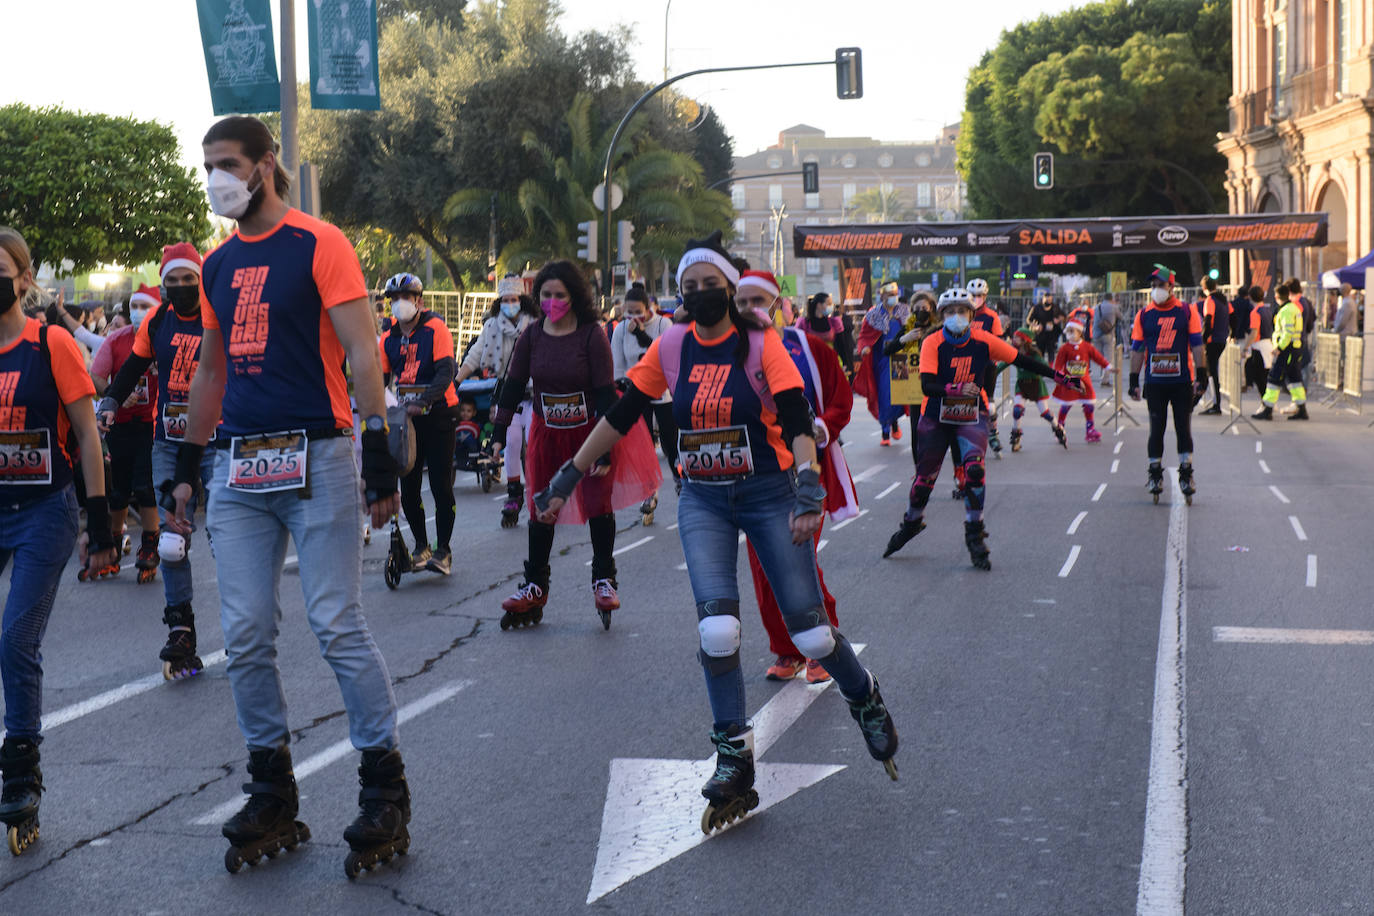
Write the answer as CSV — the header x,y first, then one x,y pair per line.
x,y
653,807
340,749
110,697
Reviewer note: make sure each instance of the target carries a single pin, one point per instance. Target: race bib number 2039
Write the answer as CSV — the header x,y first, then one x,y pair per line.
x,y
264,464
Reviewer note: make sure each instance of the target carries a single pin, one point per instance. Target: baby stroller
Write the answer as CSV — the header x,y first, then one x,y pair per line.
x,y
475,431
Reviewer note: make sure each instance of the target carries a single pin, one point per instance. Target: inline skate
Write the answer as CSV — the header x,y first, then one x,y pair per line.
x,y
1185,481
515,499
975,536
730,791
179,658
23,789
380,830
1155,482
876,723
147,561
525,608
266,825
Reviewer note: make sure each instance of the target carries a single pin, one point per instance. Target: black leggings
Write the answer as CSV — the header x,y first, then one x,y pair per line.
x,y
662,414
1158,399
602,528
434,446
1214,351
131,464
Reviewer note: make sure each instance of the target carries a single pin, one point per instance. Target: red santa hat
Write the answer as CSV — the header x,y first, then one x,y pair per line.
x,y
759,279
182,254
146,296
1074,326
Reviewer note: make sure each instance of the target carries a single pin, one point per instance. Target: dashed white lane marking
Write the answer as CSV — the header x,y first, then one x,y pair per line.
x,y
1311,570
869,473
1163,857
1068,564
110,697
619,550
340,749
1116,463
1297,527
1078,520
850,520
1283,635
888,490
1259,447
673,526
1117,450
498,499
820,545
1279,495
682,567
1101,488
1264,466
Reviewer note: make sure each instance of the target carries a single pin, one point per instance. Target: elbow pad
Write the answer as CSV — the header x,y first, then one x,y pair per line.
x,y
627,411
794,414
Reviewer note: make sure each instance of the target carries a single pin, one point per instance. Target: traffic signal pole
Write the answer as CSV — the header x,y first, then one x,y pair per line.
x,y
608,279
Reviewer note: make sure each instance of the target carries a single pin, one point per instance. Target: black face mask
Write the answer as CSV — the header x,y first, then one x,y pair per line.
x,y
184,299
921,317
707,306
8,297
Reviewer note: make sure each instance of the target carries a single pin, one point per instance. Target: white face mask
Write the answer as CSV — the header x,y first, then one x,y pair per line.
x,y
229,195
1159,295
890,301
136,316
956,324
510,309
403,310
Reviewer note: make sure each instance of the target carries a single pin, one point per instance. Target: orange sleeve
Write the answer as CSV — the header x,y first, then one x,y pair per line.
x,y
338,275
930,355
143,345
647,374
1194,322
207,314
998,349
778,369
1254,319
443,338
68,367
1137,332
386,363
997,328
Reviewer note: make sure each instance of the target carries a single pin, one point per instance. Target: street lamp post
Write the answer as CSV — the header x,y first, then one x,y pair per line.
x,y
289,132
666,8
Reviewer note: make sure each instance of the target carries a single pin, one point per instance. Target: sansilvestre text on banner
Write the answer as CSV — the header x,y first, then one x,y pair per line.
x,y
240,55
343,55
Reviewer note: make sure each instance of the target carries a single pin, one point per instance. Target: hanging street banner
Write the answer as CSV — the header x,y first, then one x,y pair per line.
x,y
1105,235
856,284
343,55
240,56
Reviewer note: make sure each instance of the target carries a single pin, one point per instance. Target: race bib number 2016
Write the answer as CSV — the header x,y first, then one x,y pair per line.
x,y
25,457
716,456
264,464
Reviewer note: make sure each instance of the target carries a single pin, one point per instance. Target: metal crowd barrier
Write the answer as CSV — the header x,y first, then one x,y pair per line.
x,y
1231,381
1118,391
1326,365
1352,391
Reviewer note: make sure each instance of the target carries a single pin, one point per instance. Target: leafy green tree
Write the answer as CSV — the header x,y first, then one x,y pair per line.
x,y
876,205
449,12
90,188
1127,95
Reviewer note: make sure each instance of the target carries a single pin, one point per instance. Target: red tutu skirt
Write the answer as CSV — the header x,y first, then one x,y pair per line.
x,y
634,475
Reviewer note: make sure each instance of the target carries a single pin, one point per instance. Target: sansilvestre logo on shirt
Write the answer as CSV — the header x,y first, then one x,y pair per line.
x,y
248,337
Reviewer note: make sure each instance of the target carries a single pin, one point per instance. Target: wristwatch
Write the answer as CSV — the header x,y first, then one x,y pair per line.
x,y
375,424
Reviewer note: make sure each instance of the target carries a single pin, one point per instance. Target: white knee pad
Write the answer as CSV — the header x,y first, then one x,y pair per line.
x,y
171,547
719,635
817,642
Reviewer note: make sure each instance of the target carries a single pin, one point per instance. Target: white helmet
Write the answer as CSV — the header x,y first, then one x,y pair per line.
x,y
977,287
951,298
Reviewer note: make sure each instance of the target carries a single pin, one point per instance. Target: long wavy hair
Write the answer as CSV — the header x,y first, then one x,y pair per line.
x,y
579,291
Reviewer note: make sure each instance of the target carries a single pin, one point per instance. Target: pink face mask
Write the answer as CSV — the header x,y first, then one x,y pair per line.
x,y
555,308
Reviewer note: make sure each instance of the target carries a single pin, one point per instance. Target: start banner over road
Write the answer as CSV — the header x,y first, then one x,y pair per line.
x,y
1106,235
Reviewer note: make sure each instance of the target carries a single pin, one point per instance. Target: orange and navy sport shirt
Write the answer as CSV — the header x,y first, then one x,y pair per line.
x,y
269,296
411,358
713,391
33,395
1171,328
966,361
175,350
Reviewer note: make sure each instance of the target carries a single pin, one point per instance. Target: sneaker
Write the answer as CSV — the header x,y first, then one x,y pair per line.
x,y
897,432
1092,435
606,597
441,562
1214,410
420,557
884,441
785,668
815,674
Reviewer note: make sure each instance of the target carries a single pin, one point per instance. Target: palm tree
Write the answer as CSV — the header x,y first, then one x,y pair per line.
x,y
665,196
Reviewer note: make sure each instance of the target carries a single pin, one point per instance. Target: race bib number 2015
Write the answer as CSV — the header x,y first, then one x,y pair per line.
x,y
264,464
25,457
716,456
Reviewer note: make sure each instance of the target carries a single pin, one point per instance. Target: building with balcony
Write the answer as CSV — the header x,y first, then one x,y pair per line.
x,y
862,180
1301,136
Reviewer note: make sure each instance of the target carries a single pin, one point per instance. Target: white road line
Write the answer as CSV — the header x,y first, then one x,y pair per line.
x,y
888,490
1068,564
619,550
1311,570
1264,466
1117,450
1297,527
1281,498
1294,636
850,520
1259,447
1116,463
1101,488
673,526
498,499
341,749
1164,851
682,567
820,545
1078,520
868,473
110,697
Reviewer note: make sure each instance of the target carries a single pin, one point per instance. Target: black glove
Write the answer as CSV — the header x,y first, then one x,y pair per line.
x,y
810,494
892,346
1135,386
98,533
189,457
564,481
379,467
1069,381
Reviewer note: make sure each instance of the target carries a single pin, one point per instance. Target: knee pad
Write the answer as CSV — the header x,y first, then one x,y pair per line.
x,y
920,494
817,642
147,499
1018,411
974,474
171,547
118,500
718,627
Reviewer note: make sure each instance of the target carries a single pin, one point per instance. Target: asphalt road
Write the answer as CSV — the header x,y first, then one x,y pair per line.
x,y
1025,698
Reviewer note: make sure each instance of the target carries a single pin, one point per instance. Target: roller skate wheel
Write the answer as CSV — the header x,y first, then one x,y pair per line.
x,y
233,860
1188,500
353,864
891,766
167,672
391,573
605,619
21,836
1156,496
505,621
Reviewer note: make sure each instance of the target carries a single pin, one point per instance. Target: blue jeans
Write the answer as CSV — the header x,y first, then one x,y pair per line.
x,y
250,532
38,536
176,577
710,520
